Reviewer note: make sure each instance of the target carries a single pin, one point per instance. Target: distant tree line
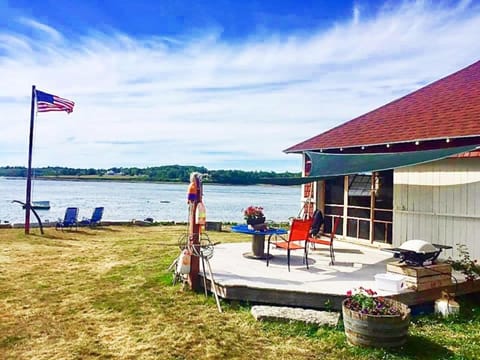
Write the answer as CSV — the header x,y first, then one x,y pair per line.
x,y
168,173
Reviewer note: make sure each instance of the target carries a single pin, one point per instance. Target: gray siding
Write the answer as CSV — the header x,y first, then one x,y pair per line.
x,y
439,202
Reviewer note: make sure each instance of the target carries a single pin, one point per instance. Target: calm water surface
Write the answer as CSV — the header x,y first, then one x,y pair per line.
x,y
162,202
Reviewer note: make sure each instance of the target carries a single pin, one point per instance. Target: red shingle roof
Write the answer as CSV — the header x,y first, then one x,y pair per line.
x,y
447,108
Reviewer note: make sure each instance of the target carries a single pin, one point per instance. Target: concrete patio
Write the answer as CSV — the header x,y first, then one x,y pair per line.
x,y
321,286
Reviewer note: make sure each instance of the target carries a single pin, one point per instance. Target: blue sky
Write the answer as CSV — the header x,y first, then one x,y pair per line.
x,y
220,84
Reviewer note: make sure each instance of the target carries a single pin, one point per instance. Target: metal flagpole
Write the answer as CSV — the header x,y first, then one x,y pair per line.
x,y
29,169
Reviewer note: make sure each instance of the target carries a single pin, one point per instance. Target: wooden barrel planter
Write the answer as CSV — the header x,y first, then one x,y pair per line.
x,y
377,330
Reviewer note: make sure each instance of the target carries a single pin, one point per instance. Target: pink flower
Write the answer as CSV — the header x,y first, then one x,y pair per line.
x,y
370,292
253,212
364,301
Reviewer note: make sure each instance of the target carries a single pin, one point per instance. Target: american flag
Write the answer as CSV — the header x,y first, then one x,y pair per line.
x,y
47,102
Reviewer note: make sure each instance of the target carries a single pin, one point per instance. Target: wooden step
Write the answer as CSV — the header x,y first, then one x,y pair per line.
x,y
420,271
425,279
431,284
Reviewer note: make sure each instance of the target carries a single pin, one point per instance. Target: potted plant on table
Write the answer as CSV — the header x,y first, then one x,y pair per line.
x,y
375,321
254,216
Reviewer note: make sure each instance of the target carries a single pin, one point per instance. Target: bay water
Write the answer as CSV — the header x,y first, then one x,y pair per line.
x,y
126,201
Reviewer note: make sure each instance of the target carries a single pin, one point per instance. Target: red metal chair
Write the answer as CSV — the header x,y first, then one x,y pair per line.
x,y
327,242
299,231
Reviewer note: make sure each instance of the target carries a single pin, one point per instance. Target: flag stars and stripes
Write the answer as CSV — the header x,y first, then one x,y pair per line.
x,y
48,102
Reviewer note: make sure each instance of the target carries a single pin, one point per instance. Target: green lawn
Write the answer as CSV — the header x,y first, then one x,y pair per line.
x,y
106,294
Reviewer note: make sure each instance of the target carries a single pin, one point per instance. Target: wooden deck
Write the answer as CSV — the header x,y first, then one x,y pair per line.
x,y
319,287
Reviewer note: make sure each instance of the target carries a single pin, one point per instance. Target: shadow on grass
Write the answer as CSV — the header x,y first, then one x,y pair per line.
x,y
100,229
421,347
11,341
417,347
67,234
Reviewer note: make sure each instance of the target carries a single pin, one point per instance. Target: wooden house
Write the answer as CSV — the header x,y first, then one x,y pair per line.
x,y
407,170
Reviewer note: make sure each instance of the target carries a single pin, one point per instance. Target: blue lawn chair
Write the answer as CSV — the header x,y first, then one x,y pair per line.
x,y
95,219
70,219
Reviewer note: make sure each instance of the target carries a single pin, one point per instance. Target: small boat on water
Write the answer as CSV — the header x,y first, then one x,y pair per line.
x,y
40,205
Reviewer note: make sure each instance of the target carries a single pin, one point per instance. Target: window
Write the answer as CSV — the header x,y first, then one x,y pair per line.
x,y
359,190
334,191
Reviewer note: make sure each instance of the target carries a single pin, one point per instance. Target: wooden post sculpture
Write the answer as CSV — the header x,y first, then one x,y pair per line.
x,y
194,197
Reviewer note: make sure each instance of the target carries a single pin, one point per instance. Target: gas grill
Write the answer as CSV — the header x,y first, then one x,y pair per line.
x,y
418,252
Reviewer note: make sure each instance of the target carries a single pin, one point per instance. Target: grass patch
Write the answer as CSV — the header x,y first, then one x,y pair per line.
x,y
105,293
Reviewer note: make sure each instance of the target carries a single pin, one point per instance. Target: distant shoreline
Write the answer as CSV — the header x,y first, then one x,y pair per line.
x,y
125,178
164,174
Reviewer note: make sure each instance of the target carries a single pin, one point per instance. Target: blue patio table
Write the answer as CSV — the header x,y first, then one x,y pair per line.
x,y
258,239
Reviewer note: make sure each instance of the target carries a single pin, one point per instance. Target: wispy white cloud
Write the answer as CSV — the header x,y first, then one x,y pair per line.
x,y
42,29
356,14
204,101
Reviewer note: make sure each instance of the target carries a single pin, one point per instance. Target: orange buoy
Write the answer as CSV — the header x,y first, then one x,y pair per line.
x,y
201,214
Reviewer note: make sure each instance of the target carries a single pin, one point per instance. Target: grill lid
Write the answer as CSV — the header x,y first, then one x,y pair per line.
x,y
418,246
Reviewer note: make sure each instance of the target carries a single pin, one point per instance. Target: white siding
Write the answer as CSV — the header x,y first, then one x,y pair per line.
x,y
439,202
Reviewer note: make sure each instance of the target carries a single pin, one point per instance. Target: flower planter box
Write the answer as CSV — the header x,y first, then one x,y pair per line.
x,y
376,330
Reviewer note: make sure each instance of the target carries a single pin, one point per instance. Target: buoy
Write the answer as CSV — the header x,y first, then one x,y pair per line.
x,y
184,260
201,214
192,192
194,188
